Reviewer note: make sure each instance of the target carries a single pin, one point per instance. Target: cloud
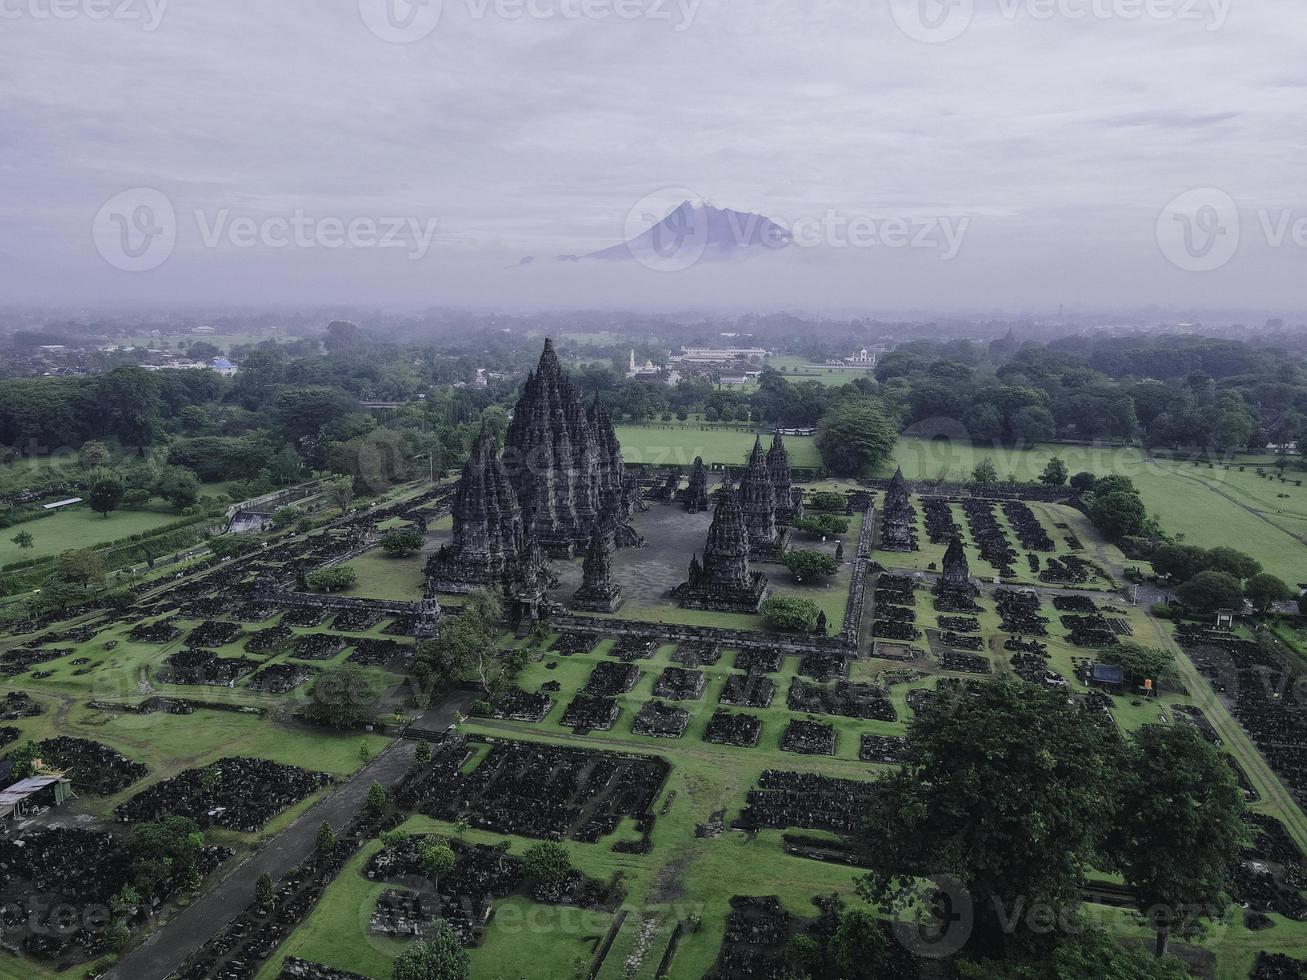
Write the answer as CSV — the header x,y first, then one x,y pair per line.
x,y
1062,139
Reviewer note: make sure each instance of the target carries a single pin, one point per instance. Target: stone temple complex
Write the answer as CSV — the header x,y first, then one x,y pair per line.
x,y
767,540
489,534
898,517
565,462
598,592
724,581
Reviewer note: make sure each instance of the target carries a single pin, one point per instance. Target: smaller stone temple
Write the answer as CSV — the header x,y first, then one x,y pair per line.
x,y
598,591
724,581
789,498
488,529
898,529
696,497
526,583
767,539
957,573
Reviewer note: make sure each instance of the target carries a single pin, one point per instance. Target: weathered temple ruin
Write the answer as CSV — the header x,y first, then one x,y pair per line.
x,y
488,534
957,573
724,582
564,461
898,531
696,497
767,540
598,591
789,498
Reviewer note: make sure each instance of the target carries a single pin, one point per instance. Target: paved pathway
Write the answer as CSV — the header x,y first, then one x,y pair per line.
x,y
191,928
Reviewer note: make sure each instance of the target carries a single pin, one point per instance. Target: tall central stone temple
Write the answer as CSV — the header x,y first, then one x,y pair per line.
x,y
560,479
565,462
724,582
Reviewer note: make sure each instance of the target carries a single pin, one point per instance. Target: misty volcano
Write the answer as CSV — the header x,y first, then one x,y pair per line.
x,y
690,232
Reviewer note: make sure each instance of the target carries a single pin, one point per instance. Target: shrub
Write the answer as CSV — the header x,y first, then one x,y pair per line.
x,y
805,565
790,613
829,500
332,579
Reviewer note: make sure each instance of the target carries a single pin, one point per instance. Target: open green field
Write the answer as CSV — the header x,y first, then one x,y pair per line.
x,y
678,443
80,527
798,370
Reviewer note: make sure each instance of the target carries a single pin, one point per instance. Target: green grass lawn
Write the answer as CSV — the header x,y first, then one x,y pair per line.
x,y
798,370
80,527
678,443
383,577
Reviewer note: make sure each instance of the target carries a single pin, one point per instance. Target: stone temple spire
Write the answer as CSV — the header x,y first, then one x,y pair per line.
x,y
898,517
957,573
488,528
563,457
758,501
598,592
789,498
725,581
696,498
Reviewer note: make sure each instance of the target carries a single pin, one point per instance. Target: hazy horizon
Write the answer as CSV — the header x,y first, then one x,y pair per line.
x,y
991,161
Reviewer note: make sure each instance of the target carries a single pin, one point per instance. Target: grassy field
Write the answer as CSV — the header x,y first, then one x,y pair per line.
x,y
677,444
80,527
798,370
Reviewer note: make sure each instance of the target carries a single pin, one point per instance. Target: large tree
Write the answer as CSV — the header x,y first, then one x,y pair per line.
x,y
106,493
855,437
1007,789
344,697
1264,589
438,957
1210,591
1180,827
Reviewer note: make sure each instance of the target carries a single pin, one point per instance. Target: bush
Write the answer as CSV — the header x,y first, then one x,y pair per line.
x,y
826,525
332,579
829,500
1161,610
790,613
402,541
807,565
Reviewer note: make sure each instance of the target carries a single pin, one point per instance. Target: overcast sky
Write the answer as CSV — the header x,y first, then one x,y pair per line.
x,y
1030,149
